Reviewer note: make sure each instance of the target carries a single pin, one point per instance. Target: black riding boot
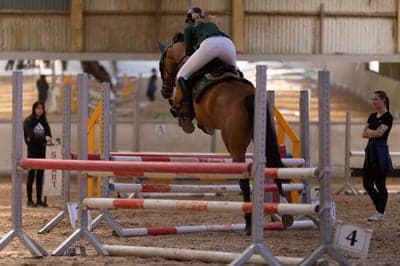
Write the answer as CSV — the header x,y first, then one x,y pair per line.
x,y
186,113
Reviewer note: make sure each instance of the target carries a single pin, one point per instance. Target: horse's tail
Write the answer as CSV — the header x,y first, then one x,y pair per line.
x,y
249,104
272,153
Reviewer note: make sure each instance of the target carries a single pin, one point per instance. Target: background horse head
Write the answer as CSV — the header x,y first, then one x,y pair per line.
x,y
227,106
95,69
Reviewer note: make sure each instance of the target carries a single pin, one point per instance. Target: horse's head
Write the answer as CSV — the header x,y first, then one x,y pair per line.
x,y
171,60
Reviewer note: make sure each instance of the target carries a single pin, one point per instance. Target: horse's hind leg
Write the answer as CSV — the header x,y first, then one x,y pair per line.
x,y
237,146
245,187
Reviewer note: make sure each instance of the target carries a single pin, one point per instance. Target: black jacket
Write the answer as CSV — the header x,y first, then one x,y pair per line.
x,y
35,139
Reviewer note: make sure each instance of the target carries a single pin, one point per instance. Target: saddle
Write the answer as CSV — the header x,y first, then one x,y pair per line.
x,y
214,72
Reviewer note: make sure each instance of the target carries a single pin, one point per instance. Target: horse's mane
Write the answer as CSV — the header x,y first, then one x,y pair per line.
x,y
178,37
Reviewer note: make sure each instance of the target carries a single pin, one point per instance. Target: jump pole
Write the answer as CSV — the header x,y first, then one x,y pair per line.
x,y
82,231
288,162
326,241
198,205
175,195
124,187
191,254
66,180
113,168
189,229
17,173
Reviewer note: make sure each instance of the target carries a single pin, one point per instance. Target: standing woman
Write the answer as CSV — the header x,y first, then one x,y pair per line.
x,y
36,134
377,161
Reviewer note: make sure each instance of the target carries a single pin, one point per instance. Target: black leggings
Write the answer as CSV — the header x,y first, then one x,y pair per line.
x,y
379,195
39,184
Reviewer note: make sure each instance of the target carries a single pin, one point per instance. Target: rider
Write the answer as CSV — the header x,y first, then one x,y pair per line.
x,y
203,42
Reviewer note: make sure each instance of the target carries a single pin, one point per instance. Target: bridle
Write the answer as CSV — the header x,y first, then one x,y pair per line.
x,y
168,83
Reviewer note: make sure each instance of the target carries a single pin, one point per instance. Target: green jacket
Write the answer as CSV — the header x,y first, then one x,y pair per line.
x,y
195,34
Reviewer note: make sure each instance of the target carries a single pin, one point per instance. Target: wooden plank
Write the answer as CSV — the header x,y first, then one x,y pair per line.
x,y
238,20
76,44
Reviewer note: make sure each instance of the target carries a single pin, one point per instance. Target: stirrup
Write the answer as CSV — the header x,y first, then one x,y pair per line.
x,y
181,113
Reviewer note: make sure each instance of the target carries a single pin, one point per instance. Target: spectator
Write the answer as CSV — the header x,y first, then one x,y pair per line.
x,y
20,64
152,85
37,134
377,161
43,87
10,65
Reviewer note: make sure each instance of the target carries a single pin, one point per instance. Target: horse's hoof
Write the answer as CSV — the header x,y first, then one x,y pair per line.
x,y
188,128
186,125
287,220
207,130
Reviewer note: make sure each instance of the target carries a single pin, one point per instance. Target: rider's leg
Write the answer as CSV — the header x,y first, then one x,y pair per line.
x,y
186,112
182,97
226,50
196,61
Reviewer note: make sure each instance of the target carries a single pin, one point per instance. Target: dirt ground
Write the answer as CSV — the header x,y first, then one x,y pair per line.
x,y
384,248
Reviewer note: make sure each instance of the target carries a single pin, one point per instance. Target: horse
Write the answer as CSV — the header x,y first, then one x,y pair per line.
x,y
229,107
95,69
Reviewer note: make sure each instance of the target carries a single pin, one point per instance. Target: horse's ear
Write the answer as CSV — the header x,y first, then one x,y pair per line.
x,y
162,47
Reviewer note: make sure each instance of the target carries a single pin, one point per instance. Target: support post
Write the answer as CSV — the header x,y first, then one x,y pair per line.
x,y
17,173
347,155
66,147
105,155
321,28
398,27
327,245
136,116
114,117
83,230
214,143
257,232
76,17
305,139
238,24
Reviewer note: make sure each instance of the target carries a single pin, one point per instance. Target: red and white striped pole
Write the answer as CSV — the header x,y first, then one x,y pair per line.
x,y
212,206
189,229
124,187
138,168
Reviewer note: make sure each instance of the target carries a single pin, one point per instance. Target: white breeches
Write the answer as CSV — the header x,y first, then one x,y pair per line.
x,y
212,47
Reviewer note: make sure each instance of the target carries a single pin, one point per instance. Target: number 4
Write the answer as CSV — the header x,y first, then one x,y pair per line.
x,y
352,237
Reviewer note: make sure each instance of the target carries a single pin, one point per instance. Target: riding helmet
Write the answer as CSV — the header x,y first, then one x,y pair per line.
x,y
191,11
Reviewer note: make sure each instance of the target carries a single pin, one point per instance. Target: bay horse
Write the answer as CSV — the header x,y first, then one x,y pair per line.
x,y
95,69
227,106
